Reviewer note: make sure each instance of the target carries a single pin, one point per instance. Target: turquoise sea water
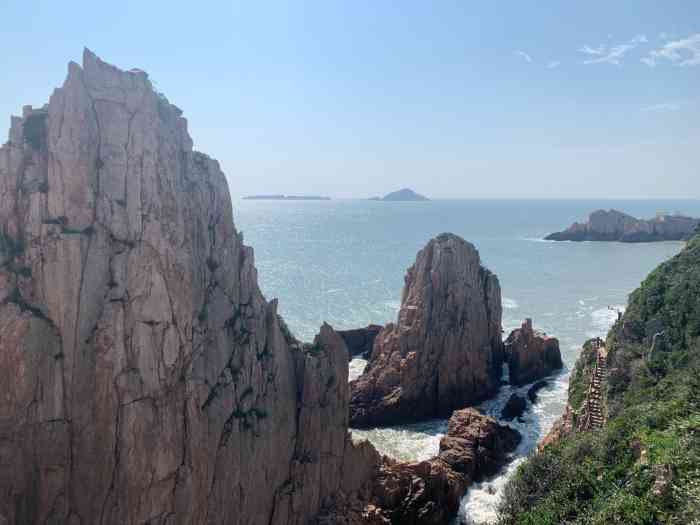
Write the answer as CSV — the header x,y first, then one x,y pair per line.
x,y
343,262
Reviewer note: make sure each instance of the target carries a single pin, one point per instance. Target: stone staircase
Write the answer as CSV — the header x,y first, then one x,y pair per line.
x,y
594,412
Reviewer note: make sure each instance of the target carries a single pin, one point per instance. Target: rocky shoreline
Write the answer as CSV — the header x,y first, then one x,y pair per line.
x,y
613,225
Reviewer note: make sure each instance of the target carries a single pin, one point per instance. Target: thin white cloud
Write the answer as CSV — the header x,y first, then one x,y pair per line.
x,y
553,64
611,54
639,39
600,50
684,52
524,55
661,108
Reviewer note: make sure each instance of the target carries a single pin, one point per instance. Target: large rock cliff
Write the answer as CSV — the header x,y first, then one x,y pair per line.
x,y
445,350
143,376
613,225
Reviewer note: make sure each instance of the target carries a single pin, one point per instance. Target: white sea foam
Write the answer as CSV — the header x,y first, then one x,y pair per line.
x,y
509,303
356,367
602,319
414,442
480,504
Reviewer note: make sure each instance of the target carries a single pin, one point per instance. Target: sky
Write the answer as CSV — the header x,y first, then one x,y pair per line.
x,y
455,99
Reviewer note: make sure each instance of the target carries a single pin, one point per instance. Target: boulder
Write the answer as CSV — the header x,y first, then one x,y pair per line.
x,y
531,355
476,445
429,492
514,407
445,350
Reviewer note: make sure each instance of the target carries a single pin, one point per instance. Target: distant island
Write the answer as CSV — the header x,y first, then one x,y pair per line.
x,y
405,194
614,225
286,198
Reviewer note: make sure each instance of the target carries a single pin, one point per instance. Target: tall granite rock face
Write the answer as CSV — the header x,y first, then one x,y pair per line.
x,y
531,355
613,225
445,350
143,376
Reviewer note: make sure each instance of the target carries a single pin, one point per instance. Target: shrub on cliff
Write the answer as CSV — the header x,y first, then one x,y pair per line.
x,y
643,467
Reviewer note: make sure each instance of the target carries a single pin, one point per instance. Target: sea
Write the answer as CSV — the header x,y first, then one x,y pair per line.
x,y
343,262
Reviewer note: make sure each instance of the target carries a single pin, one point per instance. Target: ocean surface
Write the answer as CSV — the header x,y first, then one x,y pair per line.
x,y
343,261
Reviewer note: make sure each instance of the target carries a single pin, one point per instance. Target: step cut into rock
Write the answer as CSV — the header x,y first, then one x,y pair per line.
x,y
445,350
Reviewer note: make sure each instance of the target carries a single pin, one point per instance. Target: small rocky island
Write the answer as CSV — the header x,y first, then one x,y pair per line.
x,y
286,198
613,225
404,194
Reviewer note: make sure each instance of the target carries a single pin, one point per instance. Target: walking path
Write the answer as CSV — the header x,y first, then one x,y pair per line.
x,y
594,411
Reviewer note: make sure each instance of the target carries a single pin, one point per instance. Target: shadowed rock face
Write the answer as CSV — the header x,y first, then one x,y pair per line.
x,y
445,350
144,377
531,355
613,225
360,341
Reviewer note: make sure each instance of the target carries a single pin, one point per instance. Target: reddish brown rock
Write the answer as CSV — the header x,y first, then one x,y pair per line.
x,y
477,445
531,355
445,350
143,376
429,492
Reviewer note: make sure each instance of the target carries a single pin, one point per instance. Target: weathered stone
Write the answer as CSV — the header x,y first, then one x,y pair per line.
x,y
531,355
514,407
613,225
445,350
429,492
144,377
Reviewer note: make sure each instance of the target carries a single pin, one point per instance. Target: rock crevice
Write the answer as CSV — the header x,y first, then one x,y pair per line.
x,y
145,377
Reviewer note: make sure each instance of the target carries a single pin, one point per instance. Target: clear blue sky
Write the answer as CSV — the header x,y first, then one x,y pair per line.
x,y
357,98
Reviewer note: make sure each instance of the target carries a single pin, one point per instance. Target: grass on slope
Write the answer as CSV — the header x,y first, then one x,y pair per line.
x,y
644,466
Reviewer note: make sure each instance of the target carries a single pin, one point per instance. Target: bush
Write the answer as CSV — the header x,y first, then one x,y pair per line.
x,y
612,476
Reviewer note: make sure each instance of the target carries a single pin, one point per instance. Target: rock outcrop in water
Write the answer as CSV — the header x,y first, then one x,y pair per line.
x,y
613,225
360,341
531,355
445,350
429,492
144,377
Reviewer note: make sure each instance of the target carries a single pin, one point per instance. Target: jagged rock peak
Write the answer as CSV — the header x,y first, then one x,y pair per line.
x,y
531,354
147,379
613,225
445,350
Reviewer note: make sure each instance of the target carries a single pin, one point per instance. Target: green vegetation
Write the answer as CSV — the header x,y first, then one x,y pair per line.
x,y
643,467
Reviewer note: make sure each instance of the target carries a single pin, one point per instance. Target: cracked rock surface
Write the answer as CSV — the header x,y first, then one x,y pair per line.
x,y
445,350
143,376
531,355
